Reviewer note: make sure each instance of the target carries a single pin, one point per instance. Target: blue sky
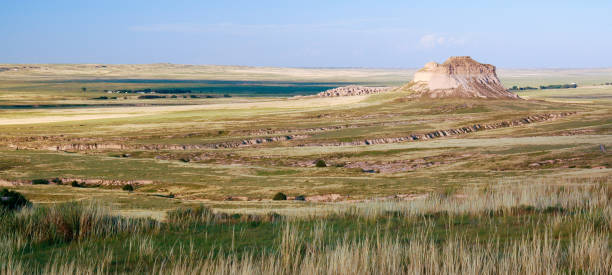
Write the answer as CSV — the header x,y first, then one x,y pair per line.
x,y
397,34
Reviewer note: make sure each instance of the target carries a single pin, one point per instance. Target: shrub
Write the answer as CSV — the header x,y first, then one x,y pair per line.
x,y
57,181
150,96
12,200
300,198
279,197
40,181
128,187
75,183
320,163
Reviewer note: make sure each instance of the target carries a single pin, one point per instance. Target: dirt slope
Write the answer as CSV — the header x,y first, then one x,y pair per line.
x,y
459,76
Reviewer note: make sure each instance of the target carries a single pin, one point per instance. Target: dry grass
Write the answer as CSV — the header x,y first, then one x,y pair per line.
x,y
583,211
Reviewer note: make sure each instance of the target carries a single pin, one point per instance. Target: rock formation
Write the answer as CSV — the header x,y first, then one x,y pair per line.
x,y
353,90
459,76
257,141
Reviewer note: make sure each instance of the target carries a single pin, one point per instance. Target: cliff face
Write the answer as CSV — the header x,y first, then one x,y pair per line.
x,y
459,76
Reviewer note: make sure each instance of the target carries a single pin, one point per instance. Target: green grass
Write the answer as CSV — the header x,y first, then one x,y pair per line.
x,y
507,215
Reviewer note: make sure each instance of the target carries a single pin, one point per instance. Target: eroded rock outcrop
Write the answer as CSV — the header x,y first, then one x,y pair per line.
x,y
459,76
94,146
157,147
451,132
353,90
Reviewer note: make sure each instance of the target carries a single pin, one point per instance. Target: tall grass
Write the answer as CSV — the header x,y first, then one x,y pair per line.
x,y
533,254
67,222
559,230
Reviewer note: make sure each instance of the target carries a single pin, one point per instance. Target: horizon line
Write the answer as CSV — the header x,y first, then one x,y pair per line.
x,y
297,67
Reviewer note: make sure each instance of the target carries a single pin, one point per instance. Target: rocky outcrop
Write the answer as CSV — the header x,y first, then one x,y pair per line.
x,y
404,165
174,147
352,91
459,76
450,132
93,146
88,182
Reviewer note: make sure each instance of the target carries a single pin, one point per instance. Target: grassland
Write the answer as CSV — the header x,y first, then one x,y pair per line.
x,y
502,228
464,198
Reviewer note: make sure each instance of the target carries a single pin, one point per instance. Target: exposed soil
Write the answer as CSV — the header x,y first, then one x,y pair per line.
x,y
461,77
85,144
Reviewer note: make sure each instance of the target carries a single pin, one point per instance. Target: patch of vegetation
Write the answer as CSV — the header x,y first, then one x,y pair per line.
x,y
127,187
499,227
279,197
40,181
151,96
11,200
189,215
75,183
103,98
562,86
545,87
149,91
261,172
516,88
320,163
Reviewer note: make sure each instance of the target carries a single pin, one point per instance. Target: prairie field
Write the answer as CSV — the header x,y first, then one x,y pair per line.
x,y
249,172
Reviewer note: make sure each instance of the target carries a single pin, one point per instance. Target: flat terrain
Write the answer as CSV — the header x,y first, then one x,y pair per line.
x,y
237,152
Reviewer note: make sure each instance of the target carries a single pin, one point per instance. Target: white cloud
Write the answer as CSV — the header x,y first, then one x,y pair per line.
x,y
436,40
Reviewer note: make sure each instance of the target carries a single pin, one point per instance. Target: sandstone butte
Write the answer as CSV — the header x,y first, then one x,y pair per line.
x,y
458,76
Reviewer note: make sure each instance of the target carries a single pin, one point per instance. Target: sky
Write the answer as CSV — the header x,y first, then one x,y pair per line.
x,y
313,33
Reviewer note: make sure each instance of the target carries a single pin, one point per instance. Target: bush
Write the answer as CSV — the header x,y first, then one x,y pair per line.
x,y
128,187
12,200
75,183
40,181
150,96
57,181
300,198
279,197
320,163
